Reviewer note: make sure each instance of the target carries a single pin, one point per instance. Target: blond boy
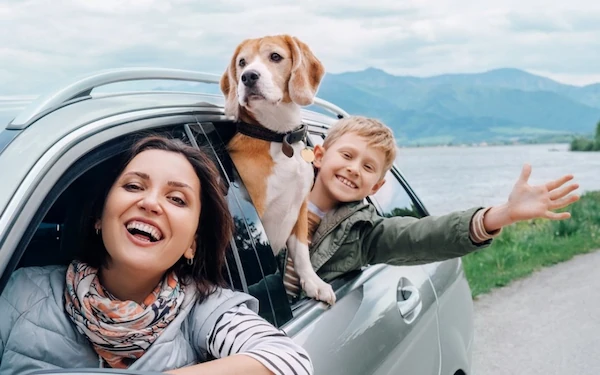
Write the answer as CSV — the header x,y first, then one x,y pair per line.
x,y
346,233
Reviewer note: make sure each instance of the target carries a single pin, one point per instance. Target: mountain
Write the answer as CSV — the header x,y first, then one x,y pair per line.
x,y
496,106
501,105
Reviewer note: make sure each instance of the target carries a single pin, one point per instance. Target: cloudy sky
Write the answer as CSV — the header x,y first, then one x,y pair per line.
x,y
44,42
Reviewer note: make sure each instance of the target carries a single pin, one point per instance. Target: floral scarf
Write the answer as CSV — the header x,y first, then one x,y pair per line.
x,y
120,331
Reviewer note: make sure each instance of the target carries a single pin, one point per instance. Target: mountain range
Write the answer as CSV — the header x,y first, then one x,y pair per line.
x,y
502,105
498,106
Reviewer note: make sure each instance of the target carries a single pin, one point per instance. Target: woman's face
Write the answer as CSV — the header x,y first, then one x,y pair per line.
x,y
151,213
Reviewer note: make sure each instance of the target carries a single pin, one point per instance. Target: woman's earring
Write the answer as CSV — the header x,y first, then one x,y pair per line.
x,y
97,231
190,261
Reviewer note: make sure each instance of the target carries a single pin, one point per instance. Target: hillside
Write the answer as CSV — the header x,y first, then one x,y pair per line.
x,y
496,106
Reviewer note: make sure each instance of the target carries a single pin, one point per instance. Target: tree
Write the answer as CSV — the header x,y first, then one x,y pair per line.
x,y
586,144
597,138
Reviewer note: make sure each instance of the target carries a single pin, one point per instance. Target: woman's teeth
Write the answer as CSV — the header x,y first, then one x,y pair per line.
x,y
153,233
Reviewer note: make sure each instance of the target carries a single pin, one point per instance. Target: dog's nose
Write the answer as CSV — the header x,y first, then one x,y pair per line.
x,y
250,77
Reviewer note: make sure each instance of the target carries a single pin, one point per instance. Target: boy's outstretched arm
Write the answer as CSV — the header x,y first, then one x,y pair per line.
x,y
527,202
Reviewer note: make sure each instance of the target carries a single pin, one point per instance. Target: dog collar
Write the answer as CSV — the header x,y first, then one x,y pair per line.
x,y
287,139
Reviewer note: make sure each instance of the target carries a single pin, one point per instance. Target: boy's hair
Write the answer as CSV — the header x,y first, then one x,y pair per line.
x,y
378,136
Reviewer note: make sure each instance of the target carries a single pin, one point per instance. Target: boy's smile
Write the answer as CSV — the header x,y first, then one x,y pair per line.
x,y
347,182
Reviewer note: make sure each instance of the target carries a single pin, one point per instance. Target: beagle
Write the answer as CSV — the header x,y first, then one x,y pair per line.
x,y
265,85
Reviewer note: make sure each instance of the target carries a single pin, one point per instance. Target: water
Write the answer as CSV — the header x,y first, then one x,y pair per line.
x,y
455,178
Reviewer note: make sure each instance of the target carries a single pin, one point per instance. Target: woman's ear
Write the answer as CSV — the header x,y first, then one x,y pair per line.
x,y
191,251
98,224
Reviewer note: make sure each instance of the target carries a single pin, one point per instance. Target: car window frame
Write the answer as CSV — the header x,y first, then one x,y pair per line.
x,y
319,134
248,215
54,172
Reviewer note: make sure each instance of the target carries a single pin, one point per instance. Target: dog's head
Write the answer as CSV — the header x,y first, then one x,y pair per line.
x,y
269,71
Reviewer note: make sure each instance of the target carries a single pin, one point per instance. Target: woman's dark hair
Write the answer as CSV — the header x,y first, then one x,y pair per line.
x,y
215,227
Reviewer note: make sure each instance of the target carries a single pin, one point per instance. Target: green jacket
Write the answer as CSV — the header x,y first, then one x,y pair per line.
x,y
355,235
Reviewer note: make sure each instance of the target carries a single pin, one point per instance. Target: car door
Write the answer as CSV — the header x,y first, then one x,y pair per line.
x,y
385,319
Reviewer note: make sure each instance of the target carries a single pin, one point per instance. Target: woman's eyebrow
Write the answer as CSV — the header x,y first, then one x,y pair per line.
x,y
179,185
141,175
145,176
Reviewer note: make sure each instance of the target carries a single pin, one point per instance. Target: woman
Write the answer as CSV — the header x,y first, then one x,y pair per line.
x,y
146,292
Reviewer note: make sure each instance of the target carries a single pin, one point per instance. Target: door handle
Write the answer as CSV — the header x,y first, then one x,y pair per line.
x,y
409,299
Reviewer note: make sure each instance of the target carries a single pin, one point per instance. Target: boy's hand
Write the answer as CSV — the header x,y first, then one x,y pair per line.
x,y
527,202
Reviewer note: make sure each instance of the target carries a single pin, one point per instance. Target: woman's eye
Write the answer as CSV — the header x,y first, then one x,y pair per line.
x,y
242,63
346,155
178,200
276,57
132,187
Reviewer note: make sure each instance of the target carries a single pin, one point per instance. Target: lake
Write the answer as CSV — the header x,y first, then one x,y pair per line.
x,y
455,178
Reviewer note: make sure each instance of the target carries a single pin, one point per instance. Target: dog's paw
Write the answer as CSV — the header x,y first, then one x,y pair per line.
x,y
319,290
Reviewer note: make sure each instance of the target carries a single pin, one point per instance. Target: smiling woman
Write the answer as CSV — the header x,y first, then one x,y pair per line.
x,y
146,290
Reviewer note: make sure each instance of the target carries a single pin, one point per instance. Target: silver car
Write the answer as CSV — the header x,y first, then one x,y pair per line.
x,y
388,320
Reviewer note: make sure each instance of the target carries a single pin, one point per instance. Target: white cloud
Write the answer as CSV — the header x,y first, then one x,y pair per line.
x,y
44,42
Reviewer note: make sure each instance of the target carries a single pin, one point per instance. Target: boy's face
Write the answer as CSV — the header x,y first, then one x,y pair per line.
x,y
349,169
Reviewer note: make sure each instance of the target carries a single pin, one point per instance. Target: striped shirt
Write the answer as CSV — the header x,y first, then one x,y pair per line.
x,y
242,331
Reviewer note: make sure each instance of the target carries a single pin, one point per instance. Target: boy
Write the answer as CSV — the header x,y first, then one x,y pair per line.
x,y
346,234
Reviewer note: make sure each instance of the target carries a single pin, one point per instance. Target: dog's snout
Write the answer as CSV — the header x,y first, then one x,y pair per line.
x,y
250,77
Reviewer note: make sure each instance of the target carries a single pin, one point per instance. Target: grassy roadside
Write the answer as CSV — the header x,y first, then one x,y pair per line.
x,y
528,246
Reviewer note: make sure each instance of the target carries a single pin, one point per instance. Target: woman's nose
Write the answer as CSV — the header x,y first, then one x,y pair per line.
x,y
150,203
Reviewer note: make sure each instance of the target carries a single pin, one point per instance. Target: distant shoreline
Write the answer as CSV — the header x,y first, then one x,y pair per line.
x,y
482,144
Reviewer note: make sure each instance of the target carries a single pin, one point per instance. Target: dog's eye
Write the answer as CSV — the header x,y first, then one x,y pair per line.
x,y
242,63
276,57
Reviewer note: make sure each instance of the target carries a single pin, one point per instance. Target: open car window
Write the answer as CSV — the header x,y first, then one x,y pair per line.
x,y
54,235
392,199
258,267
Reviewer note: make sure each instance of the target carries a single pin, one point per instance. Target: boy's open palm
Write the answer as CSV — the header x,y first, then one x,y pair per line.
x,y
527,202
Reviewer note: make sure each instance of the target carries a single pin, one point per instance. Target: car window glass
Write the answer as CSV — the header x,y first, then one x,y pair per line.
x,y
260,268
392,199
199,138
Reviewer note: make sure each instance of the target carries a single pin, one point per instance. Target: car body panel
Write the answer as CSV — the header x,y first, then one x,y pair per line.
x,y
366,331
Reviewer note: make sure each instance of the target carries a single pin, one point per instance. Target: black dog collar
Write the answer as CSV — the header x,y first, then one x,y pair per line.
x,y
287,139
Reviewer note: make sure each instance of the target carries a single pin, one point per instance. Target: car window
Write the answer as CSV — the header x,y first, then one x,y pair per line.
x,y
393,199
53,236
259,273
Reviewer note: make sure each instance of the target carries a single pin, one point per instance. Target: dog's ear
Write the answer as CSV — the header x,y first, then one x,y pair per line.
x,y
228,85
306,75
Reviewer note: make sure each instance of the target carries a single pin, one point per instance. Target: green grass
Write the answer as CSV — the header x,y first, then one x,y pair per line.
x,y
527,246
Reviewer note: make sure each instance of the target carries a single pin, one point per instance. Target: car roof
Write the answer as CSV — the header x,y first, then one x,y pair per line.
x,y
80,89
54,116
